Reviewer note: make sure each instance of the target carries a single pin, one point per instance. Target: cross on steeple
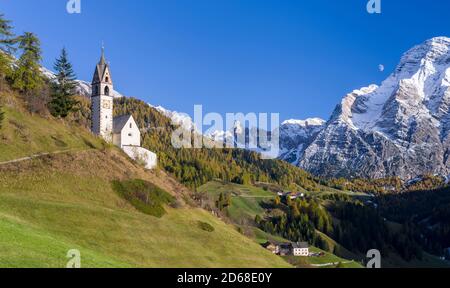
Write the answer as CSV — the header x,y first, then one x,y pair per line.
x,y
102,59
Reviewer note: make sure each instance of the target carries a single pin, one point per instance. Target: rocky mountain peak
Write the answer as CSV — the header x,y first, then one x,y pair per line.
x,y
399,128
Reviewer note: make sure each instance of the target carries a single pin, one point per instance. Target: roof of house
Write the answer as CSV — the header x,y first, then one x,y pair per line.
x,y
268,244
119,122
301,245
100,69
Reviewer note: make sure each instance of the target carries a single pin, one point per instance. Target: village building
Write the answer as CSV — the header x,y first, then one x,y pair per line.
x,y
126,132
123,130
300,249
285,249
272,247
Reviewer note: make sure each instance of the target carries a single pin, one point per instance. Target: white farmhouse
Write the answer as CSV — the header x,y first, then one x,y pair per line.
x,y
122,131
300,249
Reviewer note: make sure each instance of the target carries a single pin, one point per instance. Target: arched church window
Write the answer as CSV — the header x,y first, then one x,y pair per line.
x,y
107,79
131,125
107,91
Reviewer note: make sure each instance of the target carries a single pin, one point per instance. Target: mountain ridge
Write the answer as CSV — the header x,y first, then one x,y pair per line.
x,y
399,128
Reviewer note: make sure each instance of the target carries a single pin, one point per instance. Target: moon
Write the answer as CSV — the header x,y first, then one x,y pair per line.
x,y
381,67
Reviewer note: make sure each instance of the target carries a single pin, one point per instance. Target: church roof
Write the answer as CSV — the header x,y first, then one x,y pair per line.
x,y
301,245
119,122
100,68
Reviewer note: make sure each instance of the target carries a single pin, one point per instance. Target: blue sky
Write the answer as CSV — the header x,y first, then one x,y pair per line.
x,y
297,58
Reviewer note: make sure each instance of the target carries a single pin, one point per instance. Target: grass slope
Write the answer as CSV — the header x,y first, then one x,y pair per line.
x,y
245,202
73,209
58,202
25,135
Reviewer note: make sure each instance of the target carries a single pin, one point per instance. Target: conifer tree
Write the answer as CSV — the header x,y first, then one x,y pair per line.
x,y
63,89
2,116
27,76
7,42
7,39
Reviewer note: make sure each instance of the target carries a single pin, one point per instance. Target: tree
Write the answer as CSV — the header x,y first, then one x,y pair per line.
x,y
7,42
220,202
277,201
7,39
246,179
258,219
63,89
228,200
2,116
27,77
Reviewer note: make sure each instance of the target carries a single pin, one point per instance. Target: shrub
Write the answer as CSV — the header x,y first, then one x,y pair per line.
x,y
176,204
144,196
2,116
205,226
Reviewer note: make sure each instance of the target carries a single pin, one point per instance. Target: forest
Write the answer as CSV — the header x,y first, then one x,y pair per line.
x,y
195,167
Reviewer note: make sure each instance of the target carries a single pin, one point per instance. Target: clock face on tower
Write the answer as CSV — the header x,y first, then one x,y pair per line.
x,y
106,104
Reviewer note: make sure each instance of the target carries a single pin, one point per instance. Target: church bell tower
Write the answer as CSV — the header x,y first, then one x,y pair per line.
x,y
102,100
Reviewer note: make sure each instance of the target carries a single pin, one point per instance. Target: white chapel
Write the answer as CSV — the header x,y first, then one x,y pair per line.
x,y
122,131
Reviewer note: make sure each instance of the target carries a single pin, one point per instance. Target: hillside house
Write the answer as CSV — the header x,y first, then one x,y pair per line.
x,y
272,247
300,249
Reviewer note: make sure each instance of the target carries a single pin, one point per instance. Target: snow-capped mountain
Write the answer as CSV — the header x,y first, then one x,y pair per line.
x,y
400,128
178,118
296,136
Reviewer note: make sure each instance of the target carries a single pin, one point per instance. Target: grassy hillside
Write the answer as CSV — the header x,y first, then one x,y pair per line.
x,y
246,200
64,201
24,135
329,260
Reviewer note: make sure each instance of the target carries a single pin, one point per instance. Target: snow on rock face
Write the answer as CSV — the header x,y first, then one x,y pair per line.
x,y
296,135
304,123
400,128
178,118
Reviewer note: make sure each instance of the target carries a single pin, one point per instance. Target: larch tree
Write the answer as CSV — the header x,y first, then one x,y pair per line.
x,y
27,77
7,47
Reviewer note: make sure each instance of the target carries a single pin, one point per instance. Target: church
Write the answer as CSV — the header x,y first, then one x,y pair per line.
x,y
122,130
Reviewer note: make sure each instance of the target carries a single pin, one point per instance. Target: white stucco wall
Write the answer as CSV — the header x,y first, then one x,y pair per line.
x,y
131,136
301,252
141,154
102,116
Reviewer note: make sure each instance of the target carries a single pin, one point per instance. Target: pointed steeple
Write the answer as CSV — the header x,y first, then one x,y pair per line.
x,y
101,69
102,59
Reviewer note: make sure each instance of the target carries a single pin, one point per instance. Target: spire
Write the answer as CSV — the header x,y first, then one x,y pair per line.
x,y
102,59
